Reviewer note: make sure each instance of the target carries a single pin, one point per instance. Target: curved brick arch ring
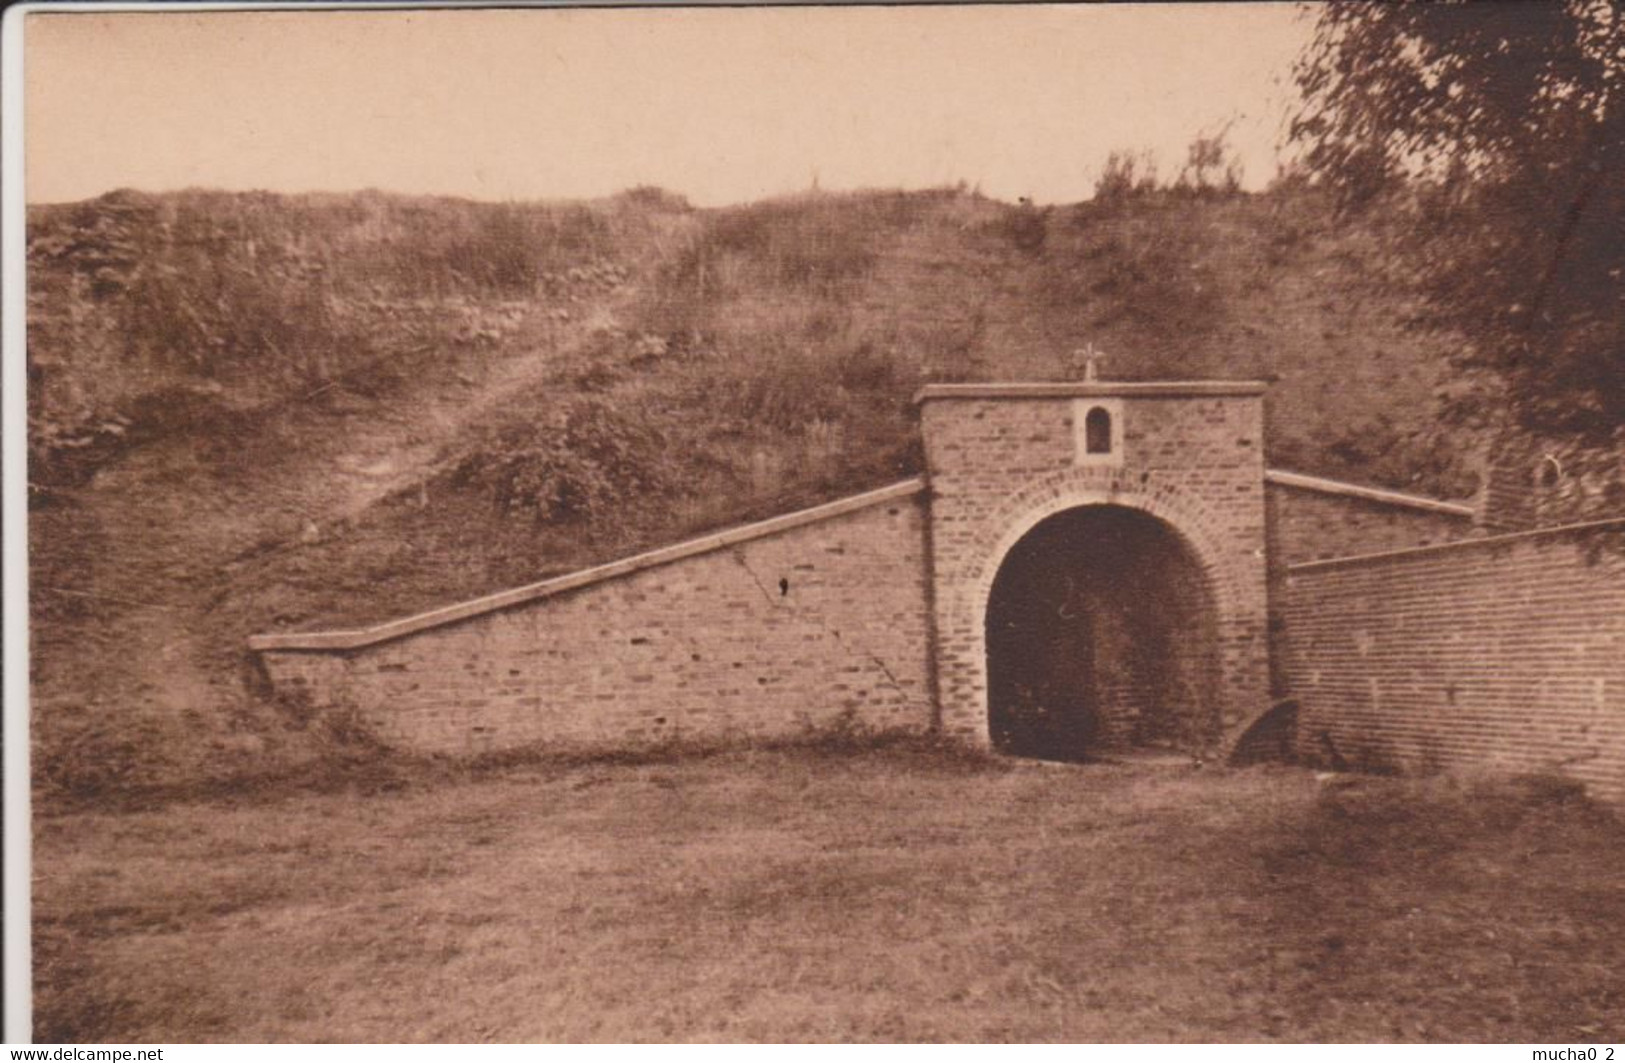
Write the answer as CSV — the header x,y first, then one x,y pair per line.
x,y
1022,510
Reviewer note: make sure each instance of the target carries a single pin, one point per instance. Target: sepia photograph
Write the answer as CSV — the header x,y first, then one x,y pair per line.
x,y
914,523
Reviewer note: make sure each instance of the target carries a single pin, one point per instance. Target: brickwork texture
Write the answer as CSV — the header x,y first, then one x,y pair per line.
x,y
818,626
1403,653
1002,459
1309,525
1310,522
1507,652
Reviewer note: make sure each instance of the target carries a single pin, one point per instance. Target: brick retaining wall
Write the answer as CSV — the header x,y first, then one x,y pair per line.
x,y
763,631
1311,518
1314,519
1506,652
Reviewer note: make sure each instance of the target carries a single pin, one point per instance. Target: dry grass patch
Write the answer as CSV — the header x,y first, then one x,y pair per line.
x,y
901,893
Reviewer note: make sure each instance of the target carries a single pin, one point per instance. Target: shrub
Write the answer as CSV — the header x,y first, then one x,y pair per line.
x,y
1126,174
794,385
656,199
579,465
1025,226
1211,167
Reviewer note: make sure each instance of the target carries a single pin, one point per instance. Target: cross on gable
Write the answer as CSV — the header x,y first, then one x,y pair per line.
x,y
1089,358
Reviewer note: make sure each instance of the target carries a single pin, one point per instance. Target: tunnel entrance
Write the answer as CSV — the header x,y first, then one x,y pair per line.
x,y
1101,639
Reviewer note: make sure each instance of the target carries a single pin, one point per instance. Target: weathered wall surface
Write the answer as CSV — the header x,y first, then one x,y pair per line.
x,y
760,632
1506,652
1314,519
1315,523
1004,457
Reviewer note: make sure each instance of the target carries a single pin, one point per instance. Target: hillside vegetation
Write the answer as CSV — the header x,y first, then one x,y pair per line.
x,y
252,412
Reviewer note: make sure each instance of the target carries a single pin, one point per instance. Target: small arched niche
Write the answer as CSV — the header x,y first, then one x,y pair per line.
x,y
1098,427
1097,431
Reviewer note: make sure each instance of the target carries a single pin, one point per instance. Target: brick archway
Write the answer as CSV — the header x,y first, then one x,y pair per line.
x,y
1003,458
1022,510
1101,637
1009,522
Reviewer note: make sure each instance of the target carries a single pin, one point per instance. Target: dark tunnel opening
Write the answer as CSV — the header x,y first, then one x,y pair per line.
x,y
1101,639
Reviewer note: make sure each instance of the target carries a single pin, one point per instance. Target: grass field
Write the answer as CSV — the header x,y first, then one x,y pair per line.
x,y
894,893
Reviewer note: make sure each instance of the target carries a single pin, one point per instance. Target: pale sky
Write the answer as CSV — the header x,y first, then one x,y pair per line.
x,y
721,105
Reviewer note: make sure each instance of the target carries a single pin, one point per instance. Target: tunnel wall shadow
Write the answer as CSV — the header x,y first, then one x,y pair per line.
x,y
1101,638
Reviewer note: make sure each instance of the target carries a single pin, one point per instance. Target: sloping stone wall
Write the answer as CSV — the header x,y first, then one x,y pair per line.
x,y
1314,519
1311,518
808,621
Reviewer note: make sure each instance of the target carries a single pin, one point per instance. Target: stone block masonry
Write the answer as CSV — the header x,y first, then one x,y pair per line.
x,y
764,631
1505,653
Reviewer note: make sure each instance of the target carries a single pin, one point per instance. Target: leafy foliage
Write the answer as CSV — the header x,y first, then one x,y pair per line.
x,y
1211,166
579,465
1498,129
1211,170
